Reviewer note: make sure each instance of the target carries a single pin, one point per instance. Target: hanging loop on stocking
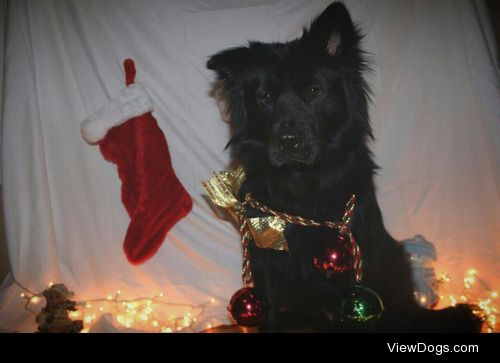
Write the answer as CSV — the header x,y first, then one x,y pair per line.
x,y
129,66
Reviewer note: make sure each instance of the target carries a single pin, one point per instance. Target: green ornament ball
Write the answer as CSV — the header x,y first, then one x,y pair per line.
x,y
361,308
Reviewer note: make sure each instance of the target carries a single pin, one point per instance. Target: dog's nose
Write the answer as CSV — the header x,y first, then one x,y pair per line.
x,y
289,142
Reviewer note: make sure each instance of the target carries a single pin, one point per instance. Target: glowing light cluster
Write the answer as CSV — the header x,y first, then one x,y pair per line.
x,y
485,300
152,314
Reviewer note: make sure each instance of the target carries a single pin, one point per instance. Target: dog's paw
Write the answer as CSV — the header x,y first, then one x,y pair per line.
x,y
270,323
461,319
324,321
454,319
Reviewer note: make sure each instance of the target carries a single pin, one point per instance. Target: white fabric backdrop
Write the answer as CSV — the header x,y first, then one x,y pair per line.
x,y
435,116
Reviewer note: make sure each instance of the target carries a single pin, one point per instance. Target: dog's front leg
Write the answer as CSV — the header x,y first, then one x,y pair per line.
x,y
271,322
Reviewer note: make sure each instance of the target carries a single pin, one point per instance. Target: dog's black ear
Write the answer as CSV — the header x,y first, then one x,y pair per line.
x,y
230,62
333,30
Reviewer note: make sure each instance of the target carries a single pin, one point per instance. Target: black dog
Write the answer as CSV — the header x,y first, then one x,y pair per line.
x,y
300,127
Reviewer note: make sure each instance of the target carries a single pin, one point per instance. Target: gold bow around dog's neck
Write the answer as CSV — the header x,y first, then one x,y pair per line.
x,y
223,188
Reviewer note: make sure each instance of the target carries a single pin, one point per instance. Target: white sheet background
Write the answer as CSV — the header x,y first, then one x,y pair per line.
x,y
435,115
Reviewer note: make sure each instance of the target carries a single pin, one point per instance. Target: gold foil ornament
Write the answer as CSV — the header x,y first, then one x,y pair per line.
x,y
268,232
223,188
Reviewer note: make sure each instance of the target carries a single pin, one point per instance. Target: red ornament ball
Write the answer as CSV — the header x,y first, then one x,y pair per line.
x,y
247,307
332,260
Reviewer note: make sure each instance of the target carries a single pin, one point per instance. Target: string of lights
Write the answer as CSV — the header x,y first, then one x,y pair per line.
x,y
152,314
155,314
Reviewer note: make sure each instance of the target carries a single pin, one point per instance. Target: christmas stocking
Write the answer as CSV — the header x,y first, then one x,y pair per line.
x,y
129,136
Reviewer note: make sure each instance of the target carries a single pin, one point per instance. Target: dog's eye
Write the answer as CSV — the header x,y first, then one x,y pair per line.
x,y
311,92
266,97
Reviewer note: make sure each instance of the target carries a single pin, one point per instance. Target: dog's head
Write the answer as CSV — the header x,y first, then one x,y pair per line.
x,y
290,104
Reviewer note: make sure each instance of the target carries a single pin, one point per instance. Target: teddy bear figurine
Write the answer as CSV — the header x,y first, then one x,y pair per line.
x,y
54,316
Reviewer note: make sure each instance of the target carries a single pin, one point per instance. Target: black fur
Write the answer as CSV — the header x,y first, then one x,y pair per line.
x,y
300,127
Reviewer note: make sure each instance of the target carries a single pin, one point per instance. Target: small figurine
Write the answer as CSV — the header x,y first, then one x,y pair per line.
x,y
54,316
422,257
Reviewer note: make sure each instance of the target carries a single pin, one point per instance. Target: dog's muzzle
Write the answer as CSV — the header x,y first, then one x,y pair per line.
x,y
292,150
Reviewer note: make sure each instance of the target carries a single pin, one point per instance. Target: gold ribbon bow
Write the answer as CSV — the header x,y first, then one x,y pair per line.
x,y
223,188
